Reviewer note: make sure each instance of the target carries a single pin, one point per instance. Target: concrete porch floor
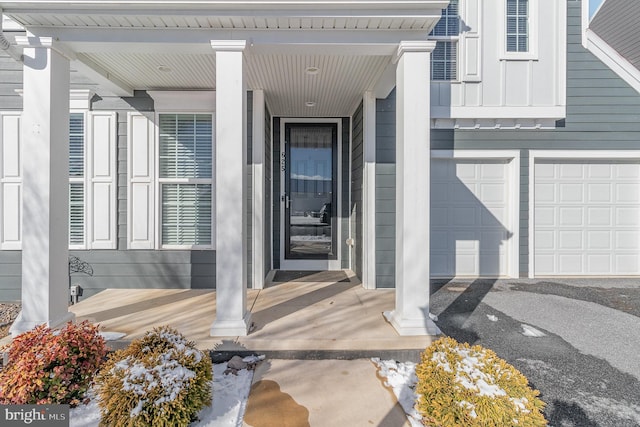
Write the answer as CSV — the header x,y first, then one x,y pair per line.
x,y
320,317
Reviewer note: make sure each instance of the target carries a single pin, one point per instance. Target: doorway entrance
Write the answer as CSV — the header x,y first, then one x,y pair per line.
x,y
310,178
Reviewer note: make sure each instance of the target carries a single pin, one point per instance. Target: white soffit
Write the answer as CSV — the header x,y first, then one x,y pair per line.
x,y
336,88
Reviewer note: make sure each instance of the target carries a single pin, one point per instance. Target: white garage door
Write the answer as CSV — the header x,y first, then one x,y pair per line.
x,y
470,217
587,218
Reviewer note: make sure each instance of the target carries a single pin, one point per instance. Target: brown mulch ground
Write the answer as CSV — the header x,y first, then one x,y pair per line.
x,y
8,313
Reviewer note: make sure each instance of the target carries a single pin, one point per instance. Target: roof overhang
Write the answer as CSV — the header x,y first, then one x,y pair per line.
x,y
165,45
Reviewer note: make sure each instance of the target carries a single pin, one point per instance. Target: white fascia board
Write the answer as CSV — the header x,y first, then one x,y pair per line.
x,y
102,39
612,59
243,6
507,112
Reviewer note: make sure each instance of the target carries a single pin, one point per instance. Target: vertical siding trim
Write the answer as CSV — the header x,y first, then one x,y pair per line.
x,y
369,191
257,164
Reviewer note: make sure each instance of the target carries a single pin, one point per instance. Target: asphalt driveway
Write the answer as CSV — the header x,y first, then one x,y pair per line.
x,y
578,341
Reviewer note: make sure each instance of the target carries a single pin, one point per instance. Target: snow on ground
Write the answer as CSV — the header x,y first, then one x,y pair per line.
x,y
230,393
402,379
530,331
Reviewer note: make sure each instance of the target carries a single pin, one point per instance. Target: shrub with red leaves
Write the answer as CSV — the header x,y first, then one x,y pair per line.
x,y
52,365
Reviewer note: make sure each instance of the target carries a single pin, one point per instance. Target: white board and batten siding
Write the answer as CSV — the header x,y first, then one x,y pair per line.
x,y
586,216
100,220
474,215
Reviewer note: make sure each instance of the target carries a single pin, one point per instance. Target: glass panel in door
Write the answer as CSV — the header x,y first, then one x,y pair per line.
x,y
310,191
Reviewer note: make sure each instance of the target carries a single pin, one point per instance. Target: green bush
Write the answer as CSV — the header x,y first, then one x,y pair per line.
x,y
52,365
161,379
471,386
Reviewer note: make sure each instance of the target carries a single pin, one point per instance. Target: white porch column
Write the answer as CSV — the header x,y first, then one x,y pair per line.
x,y
232,317
45,186
413,146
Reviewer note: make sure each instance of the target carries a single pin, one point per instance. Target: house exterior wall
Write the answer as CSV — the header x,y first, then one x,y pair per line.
x,y
357,180
268,200
121,268
602,112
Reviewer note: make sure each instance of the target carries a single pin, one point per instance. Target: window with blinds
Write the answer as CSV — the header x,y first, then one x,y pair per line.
x,y
517,25
185,178
76,179
444,58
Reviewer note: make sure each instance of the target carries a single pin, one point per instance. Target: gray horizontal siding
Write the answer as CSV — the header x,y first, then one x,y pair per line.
x,y
356,189
124,270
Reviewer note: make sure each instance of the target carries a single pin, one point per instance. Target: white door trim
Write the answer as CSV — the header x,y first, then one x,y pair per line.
x,y
311,264
560,155
513,175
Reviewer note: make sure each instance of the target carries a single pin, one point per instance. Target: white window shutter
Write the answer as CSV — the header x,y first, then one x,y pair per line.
x,y
10,182
470,42
140,177
102,180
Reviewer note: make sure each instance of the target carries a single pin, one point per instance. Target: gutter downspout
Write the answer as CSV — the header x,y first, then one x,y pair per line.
x,y
5,44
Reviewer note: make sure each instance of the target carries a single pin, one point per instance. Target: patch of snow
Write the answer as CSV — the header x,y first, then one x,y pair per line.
x,y
492,317
228,404
470,407
530,331
112,336
253,359
402,379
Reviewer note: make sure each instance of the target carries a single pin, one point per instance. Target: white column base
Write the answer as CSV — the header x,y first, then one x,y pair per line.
x,y
231,328
411,327
21,325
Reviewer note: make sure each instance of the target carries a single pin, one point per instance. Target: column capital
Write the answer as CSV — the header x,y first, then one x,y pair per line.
x,y
415,46
228,45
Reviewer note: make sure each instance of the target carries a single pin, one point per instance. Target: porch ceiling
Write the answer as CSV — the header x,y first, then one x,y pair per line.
x,y
161,45
335,89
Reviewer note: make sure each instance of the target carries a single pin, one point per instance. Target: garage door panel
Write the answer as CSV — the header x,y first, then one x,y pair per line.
x,y
598,264
627,192
599,216
629,171
599,192
627,216
494,216
545,239
465,216
545,216
495,171
599,239
627,239
570,264
599,170
571,216
627,264
545,192
493,193
592,225
571,193
468,235
571,171
570,239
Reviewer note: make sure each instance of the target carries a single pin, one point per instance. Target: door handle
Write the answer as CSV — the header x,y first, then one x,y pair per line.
x,y
287,201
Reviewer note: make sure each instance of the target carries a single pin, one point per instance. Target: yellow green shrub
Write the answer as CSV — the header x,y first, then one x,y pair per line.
x,y
460,385
161,379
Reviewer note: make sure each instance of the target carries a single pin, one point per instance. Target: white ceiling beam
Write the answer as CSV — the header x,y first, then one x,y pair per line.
x,y
101,76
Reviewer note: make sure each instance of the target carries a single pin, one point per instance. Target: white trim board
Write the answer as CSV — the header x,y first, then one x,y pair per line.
x,y
534,155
